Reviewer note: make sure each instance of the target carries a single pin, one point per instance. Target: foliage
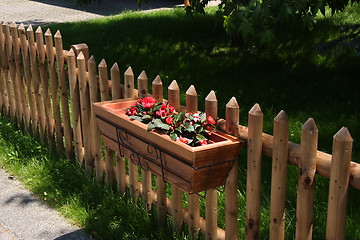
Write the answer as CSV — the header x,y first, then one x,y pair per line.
x,y
308,75
262,21
192,129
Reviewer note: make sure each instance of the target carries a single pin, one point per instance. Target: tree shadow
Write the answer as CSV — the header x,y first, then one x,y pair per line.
x,y
75,235
22,199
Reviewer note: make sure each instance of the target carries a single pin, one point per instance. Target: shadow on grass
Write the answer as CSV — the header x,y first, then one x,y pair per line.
x,y
308,74
94,207
294,75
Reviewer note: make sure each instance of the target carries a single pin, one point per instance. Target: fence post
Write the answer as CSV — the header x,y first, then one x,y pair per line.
x,y
194,199
177,207
120,170
21,91
13,81
54,89
253,182
3,71
75,105
45,88
81,47
231,188
279,171
133,169
104,90
157,93
63,94
306,180
146,175
85,112
96,137
27,71
157,89
339,184
35,78
211,109
7,78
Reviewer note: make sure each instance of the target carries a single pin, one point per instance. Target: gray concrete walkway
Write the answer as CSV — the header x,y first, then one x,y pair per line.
x,y
40,12
24,217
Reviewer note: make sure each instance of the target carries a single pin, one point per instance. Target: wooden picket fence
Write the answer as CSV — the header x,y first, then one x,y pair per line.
x,y
35,74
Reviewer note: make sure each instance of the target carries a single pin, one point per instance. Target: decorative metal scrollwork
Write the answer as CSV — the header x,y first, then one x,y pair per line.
x,y
135,157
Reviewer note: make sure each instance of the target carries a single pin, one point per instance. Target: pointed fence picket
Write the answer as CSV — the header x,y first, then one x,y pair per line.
x,y
278,174
34,94
63,94
54,89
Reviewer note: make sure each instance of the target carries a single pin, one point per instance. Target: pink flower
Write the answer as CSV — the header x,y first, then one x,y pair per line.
x,y
169,120
148,102
210,120
161,113
196,117
183,139
172,109
203,142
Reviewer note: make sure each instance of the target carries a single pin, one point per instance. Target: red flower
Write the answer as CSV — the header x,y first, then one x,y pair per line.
x,y
209,128
203,142
172,109
163,106
183,139
169,120
131,112
148,102
210,120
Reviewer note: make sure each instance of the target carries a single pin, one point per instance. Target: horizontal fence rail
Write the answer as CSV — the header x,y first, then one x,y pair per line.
x,y
34,75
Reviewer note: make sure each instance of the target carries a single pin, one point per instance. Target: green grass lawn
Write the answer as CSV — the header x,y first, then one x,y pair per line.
x,y
307,74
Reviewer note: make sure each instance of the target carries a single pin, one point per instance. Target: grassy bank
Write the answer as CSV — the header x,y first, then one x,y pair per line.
x,y
308,74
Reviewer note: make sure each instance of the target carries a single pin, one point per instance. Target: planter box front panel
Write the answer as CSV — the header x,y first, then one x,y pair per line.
x,y
192,169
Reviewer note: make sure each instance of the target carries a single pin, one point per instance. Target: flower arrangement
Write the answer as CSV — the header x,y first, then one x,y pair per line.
x,y
192,129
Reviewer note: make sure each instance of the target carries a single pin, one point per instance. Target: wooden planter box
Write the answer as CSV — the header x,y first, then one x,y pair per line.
x,y
192,169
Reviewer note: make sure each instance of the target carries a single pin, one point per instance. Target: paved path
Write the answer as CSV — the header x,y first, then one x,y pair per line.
x,y
24,217
40,12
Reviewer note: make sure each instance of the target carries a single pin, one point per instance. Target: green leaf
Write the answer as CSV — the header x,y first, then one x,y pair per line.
x,y
179,129
138,118
246,29
151,126
146,117
179,117
200,129
189,128
173,136
159,124
203,117
200,137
